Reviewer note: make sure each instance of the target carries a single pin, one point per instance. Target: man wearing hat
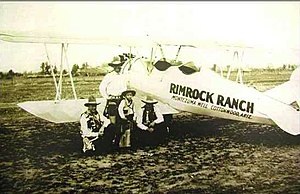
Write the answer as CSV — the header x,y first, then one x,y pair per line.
x,y
106,87
92,124
111,87
126,111
150,123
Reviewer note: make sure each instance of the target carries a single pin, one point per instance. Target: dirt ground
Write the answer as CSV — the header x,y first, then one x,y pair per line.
x,y
201,155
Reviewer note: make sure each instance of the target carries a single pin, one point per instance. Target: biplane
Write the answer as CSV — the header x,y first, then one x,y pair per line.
x,y
177,87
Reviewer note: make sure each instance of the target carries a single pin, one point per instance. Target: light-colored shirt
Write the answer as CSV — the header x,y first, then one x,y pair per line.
x,y
88,132
125,105
113,84
158,120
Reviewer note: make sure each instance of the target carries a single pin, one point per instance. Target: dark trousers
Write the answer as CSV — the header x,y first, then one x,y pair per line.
x,y
146,138
111,136
114,132
111,108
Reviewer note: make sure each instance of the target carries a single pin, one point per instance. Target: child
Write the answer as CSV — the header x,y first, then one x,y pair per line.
x,y
127,115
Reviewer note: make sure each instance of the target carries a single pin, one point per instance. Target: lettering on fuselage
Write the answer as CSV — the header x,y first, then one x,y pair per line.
x,y
216,102
234,103
191,93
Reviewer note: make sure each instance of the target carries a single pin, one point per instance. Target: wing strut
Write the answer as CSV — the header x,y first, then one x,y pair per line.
x,y
51,67
237,61
64,59
58,91
70,73
177,54
150,66
239,75
162,52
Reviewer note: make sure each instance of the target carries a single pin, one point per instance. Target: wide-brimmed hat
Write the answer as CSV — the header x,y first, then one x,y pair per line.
x,y
149,100
116,62
128,91
91,101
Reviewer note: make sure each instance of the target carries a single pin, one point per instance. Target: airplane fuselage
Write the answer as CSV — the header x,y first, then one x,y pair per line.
x,y
204,93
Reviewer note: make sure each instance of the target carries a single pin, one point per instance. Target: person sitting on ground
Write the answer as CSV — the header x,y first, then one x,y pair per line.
x,y
150,122
92,124
127,114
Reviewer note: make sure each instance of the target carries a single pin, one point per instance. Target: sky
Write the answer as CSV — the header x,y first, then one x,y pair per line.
x,y
272,28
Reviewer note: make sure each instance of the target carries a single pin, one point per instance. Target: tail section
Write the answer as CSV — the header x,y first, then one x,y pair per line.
x,y
276,104
289,91
285,116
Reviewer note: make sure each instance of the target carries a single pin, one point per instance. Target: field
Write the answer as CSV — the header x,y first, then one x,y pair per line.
x,y
202,154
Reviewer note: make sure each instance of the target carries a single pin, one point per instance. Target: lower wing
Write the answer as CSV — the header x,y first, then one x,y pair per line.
x,y
59,111
70,110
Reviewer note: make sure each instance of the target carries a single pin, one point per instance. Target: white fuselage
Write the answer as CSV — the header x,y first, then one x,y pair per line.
x,y
203,92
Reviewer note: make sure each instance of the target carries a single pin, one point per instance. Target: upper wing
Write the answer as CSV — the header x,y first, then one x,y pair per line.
x,y
50,38
125,40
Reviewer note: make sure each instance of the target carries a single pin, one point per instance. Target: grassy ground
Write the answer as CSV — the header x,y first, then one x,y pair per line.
x,y
202,154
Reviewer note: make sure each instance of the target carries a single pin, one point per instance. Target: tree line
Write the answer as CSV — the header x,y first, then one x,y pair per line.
x,y
45,70
84,70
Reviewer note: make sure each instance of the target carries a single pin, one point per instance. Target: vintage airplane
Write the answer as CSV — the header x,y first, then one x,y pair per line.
x,y
184,87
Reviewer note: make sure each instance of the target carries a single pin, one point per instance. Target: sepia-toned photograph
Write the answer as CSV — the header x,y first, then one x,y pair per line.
x,y
150,97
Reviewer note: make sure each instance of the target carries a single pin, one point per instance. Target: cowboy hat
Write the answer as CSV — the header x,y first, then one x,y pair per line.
x,y
116,64
128,91
117,61
149,100
91,101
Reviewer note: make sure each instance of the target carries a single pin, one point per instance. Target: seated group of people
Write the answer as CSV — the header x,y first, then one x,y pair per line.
x,y
122,124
